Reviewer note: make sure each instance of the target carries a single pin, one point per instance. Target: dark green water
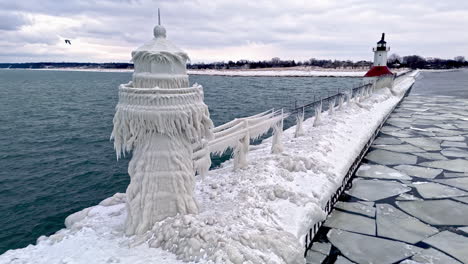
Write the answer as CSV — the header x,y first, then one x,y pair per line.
x,y
55,153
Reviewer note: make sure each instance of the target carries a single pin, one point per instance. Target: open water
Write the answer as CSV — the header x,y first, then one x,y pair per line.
x,y
55,153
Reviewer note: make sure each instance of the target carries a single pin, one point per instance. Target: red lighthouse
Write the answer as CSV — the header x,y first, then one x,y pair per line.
x,y
380,60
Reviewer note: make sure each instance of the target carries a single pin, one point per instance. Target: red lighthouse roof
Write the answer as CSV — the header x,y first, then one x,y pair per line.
x,y
376,71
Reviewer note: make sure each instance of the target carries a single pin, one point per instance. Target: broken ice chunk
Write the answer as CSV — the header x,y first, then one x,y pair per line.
x,y
453,244
417,171
373,190
381,172
367,249
431,190
351,222
390,158
395,224
437,212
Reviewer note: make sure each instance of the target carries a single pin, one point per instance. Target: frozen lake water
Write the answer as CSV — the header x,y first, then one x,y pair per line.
x,y
415,177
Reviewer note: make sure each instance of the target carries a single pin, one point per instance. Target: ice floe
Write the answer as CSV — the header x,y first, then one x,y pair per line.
x,y
407,197
390,158
393,223
461,199
454,144
461,183
321,247
452,138
343,260
432,256
387,141
455,174
407,148
314,257
381,172
351,222
431,190
366,249
431,156
367,210
437,212
373,190
453,244
456,165
455,152
417,171
425,143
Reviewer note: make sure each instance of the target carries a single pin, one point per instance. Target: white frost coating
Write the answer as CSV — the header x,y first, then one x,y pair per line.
x,y
331,107
161,119
230,140
318,114
256,215
299,120
341,102
277,145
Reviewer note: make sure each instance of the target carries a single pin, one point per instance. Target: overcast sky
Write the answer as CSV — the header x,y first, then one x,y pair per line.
x,y
215,30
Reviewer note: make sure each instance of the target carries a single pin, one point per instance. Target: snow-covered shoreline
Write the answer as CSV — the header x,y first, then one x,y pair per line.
x,y
281,73
259,214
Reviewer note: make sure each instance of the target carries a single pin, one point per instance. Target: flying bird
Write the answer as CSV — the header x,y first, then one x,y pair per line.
x,y
67,41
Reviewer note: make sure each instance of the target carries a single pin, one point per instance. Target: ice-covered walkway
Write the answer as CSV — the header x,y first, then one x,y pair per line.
x,y
409,200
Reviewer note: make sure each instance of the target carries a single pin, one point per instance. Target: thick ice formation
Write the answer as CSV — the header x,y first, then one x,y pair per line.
x,y
160,119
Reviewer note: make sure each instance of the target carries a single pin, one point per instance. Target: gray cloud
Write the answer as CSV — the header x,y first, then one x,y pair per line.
x,y
12,21
224,29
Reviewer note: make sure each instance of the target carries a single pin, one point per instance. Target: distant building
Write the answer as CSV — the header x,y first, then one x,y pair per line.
x,y
380,75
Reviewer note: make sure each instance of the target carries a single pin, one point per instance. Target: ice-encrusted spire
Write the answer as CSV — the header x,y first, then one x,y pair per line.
x,y
159,31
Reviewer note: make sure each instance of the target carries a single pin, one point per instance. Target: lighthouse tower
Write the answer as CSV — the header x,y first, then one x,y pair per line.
x,y
160,118
380,60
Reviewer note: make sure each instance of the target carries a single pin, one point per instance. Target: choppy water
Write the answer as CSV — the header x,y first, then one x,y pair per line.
x,y
55,154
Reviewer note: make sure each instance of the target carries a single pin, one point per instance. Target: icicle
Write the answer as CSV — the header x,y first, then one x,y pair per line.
x,y
277,144
331,107
202,159
341,101
318,114
299,120
241,150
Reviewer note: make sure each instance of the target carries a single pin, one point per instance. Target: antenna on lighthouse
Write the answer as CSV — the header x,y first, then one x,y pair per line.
x,y
159,18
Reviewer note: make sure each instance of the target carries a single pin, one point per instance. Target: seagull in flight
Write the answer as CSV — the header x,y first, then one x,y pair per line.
x,y
67,41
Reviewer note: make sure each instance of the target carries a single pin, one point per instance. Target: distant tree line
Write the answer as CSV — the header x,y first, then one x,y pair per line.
x,y
84,65
278,63
418,62
394,61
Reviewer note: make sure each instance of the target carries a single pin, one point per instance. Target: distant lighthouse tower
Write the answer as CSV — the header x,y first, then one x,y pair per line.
x,y
379,74
380,60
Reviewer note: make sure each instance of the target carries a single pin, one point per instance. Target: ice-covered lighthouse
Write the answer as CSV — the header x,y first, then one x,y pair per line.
x,y
379,72
161,119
